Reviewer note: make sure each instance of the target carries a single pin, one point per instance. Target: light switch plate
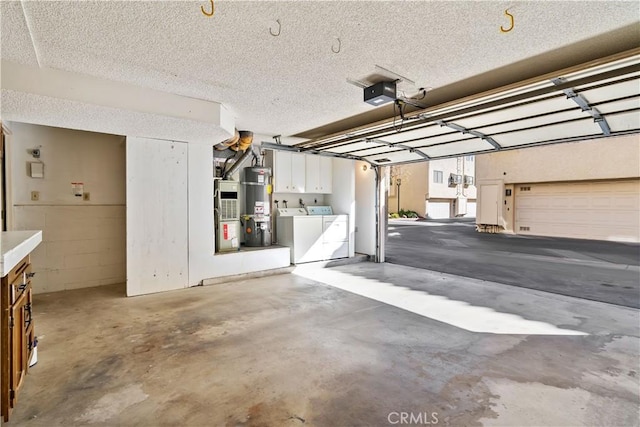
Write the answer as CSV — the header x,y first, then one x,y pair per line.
x,y
36,169
86,196
35,196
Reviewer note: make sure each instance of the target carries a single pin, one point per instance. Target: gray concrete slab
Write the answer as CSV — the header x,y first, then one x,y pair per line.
x,y
600,271
292,350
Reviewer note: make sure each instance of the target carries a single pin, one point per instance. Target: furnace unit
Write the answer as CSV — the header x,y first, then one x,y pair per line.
x,y
227,215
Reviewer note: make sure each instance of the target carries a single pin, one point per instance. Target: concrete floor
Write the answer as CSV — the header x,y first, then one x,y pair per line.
x,y
309,349
596,270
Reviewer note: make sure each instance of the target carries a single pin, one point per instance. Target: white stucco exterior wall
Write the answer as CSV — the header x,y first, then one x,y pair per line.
x,y
605,158
600,159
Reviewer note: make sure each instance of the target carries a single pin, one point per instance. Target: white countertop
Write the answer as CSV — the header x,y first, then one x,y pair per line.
x,y
15,245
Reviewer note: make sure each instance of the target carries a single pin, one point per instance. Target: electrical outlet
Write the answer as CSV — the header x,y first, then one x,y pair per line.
x,y
35,196
86,196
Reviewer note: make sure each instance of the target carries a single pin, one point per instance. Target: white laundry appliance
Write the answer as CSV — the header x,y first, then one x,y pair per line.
x,y
300,232
335,232
312,235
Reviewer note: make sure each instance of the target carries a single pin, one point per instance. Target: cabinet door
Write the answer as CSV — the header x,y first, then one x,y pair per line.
x,y
298,174
18,346
325,174
282,172
307,234
312,174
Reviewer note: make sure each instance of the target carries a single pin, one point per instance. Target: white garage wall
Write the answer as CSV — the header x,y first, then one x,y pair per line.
x,y
170,220
157,216
83,241
365,222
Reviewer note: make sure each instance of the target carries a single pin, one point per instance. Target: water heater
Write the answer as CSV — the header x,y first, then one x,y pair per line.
x,y
256,221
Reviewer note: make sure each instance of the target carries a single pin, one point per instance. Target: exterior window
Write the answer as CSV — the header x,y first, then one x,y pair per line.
x,y
469,158
437,177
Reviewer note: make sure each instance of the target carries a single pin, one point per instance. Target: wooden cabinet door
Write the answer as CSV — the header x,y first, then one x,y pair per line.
x,y
18,346
17,337
6,338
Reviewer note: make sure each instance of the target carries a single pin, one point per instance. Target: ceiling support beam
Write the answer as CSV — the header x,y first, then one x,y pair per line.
x,y
280,147
584,106
404,147
466,131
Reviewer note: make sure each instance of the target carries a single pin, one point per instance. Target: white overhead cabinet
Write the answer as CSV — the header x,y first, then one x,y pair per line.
x,y
300,173
318,174
289,172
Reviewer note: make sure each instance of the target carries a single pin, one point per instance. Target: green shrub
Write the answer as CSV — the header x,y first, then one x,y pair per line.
x,y
408,214
404,214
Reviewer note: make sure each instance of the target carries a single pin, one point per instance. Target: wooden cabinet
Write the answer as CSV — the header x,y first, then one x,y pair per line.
x,y
18,337
318,174
289,172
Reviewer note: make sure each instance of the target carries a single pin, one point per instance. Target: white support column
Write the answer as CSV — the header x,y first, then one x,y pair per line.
x,y
382,209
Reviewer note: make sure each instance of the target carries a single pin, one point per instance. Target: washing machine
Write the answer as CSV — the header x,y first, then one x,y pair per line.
x,y
335,232
301,232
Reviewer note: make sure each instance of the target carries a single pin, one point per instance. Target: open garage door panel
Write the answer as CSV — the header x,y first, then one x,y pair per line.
x,y
598,99
604,210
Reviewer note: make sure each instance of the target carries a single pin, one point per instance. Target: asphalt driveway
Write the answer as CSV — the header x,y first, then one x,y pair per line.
x,y
600,271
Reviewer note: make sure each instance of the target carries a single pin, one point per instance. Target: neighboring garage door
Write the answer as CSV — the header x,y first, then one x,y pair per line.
x,y
438,210
605,210
471,209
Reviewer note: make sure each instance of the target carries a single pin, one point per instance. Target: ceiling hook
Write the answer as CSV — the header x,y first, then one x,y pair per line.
x,y
279,29
506,30
208,14
333,49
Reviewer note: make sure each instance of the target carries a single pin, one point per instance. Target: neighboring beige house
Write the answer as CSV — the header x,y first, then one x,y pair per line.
x,y
435,189
587,190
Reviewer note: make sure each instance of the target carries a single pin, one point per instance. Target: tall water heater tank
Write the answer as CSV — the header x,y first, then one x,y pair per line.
x,y
257,219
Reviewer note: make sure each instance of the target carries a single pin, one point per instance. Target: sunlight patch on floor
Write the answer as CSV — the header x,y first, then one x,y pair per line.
x,y
456,313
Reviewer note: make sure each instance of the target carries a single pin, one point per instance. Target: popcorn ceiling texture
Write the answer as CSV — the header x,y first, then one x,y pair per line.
x,y
14,35
293,82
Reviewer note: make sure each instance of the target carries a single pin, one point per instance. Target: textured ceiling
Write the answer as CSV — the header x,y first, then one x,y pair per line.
x,y
293,82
